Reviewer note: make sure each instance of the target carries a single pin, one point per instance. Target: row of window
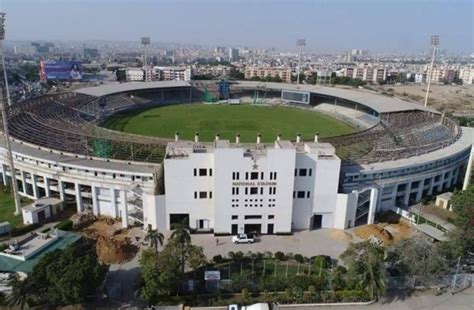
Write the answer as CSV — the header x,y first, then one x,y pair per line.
x,y
202,172
303,172
254,175
255,205
202,195
253,190
252,217
301,194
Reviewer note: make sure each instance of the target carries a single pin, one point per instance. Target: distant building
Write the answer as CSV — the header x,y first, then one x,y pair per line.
x,y
174,73
233,54
466,74
134,74
263,72
368,74
91,53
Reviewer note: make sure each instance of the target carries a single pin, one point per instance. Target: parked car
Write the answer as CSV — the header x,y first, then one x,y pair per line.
x,y
243,238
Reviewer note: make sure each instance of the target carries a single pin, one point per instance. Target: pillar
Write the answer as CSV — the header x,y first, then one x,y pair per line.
x,y
79,205
95,202
373,205
4,176
113,201
47,191
34,180
406,195
23,180
123,208
467,177
62,196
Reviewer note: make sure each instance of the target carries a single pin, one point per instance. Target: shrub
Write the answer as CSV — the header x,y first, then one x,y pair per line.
x,y
218,259
3,246
299,258
65,225
18,231
321,262
280,256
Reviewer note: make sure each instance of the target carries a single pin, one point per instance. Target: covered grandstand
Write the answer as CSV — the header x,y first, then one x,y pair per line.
x,y
68,122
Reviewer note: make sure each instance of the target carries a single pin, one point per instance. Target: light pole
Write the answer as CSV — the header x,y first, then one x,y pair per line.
x,y
5,119
145,43
300,43
434,44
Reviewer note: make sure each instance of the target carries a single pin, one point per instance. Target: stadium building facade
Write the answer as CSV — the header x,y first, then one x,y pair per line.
x,y
401,154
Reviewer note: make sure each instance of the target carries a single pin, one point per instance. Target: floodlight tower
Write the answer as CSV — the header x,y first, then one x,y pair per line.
x,y
5,119
434,44
145,44
300,43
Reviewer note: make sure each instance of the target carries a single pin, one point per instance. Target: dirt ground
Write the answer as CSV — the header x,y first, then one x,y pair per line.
x,y
114,244
390,228
455,99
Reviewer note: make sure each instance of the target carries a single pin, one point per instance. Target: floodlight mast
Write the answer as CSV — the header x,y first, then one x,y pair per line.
x,y
300,43
16,197
434,44
145,43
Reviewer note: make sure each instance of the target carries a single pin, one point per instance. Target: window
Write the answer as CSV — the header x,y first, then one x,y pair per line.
x,y
210,195
195,172
307,194
254,191
300,194
252,217
254,175
303,172
202,195
246,191
195,195
270,217
274,175
202,172
246,175
210,172
235,175
310,171
294,194
235,217
296,172
261,176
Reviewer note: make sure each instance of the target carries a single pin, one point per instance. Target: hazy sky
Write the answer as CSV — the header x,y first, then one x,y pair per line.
x,y
327,25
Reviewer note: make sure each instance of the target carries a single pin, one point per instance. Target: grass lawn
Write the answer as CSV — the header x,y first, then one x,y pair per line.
x,y
227,120
7,208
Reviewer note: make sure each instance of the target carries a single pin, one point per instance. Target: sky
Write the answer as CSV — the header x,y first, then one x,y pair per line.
x,y
327,25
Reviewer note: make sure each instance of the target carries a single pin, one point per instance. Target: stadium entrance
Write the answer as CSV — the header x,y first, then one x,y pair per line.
x,y
253,228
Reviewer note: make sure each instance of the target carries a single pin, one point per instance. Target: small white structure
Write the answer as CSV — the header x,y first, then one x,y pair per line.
x,y
30,246
444,200
40,210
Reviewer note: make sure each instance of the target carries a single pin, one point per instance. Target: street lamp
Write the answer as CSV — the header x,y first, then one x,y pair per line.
x,y
300,43
145,43
434,44
5,119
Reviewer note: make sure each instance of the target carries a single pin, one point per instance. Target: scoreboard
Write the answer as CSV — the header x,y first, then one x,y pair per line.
x,y
295,96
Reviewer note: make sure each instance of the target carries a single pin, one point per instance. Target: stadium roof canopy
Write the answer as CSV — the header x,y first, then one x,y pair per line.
x,y
110,89
371,99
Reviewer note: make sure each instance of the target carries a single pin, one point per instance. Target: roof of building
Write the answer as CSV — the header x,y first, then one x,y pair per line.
x,y
41,204
431,232
109,89
445,196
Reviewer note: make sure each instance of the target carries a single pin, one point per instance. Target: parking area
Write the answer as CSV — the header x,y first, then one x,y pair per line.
x,y
307,243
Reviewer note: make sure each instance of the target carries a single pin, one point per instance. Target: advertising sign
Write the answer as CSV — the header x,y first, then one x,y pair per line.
x,y
60,70
212,275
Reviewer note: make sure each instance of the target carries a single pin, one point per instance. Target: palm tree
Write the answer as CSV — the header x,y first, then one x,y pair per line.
x,y
373,277
155,238
182,238
20,294
181,234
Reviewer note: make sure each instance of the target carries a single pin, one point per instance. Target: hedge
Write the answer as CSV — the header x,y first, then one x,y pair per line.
x,y
65,225
18,231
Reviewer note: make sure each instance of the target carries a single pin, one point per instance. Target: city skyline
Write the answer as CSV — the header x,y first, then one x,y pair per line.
x,y
261,24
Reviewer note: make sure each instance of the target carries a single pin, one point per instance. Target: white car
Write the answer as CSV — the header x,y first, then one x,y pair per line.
x,y
242,238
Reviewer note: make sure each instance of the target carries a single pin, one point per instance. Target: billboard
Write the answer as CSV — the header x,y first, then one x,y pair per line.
x,y
60,70
295,96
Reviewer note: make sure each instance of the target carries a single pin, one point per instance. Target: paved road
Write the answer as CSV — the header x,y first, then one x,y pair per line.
x,y
418,301
306,243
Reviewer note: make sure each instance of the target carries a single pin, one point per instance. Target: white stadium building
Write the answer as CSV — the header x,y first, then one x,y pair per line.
x,y
402,153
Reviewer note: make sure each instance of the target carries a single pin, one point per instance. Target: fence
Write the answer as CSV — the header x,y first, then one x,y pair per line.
x,y
417,219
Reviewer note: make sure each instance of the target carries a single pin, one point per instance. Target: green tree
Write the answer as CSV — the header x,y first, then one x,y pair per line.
x,y
67,276
155,238
463,207
417,257
365,266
